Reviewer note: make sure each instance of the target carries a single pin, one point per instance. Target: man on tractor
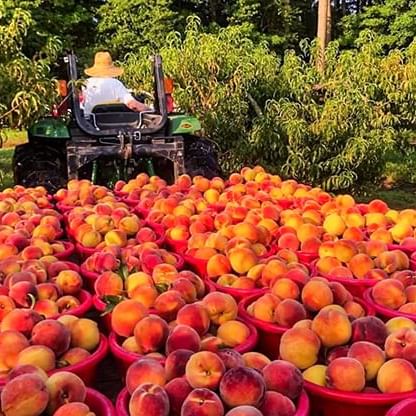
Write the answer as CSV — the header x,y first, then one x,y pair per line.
x,y
103,87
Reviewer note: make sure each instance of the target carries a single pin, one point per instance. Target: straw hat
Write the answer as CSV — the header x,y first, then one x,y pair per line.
x,y
103,67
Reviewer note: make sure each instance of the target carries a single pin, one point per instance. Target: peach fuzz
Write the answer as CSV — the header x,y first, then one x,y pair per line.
x,y
204,370
146,370
11,344
300,346
396,376
285,288
389,293
73,409
256,360
125,316
273,401
202,402
183,337
316,374
399,322
369,355
264,307
22,320
369,328
109,283
242,386
220,307
151,333
149,399
346,374
53,334
26,394
85,334
178,390
244,411
233,332
37,355
196,316
316,294
242,259
325,265
64,387
288,312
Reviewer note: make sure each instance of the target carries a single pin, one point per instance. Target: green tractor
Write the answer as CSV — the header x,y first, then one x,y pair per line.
x,y
114,143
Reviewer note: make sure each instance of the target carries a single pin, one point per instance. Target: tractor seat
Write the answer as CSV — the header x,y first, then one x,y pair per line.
x,y
110,116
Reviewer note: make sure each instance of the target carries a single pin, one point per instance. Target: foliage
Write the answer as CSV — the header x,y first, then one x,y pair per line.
x,y
26,89
126,25
394,21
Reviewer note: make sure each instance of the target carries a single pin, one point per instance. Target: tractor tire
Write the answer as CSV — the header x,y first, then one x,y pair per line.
x,y
201,158
35,165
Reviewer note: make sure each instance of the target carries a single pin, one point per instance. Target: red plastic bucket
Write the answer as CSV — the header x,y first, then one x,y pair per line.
x,y
122,404
403,408
385,313
269,334
99,404
69,250
180,262
105,320
236,293
63,208
85,252
409,250
199,266
178,246
306,258
89,278
141,212
125,358
329,402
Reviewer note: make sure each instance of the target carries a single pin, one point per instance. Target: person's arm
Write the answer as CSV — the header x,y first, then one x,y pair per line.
x,y
129,100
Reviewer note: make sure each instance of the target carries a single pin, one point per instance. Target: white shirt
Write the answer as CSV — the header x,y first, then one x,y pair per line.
x,y
99,90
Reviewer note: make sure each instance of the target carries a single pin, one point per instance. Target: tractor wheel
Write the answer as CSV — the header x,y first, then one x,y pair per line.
x,y
201,158
35,165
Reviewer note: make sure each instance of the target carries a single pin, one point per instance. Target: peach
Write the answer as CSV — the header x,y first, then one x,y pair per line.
x,y
255,360
52,334
22,320
146,370
344,250
346,374
316,374
244,411
218,265
360,265
387,261
231,358
288,312
396,376
316,294
186,289
233,332
399,322
183,337
300,346
11,343
66,303
354,309
325,265
26,369
23,294
176,362
285,288
220,307
109,283
204,370
168,304
49,291
73,356
150,399
151,333
85,334
401,344
24,395
117,237
144,294
196,316
369,355
411,293
389,293
334,224
90,238
67,320
73,409
332,326
408,308
276,404
130,344
284,378
6,305
202,402
273,269
37,355
164,274
242,259
178,390
242,386
64,387
369,328
340,294
289,241
69,281
125,316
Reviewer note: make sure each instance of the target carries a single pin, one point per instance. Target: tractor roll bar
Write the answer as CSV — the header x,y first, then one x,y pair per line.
x,y
86,127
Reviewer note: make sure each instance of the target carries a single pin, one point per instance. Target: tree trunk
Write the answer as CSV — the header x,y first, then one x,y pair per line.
x,y
328,24
322,32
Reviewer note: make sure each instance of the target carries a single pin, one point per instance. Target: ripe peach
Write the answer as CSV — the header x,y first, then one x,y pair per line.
x,y
332,326
64,387
277,404
255,360
408,308
11,343
341,295
387,261
202,402
220,307
285,288
300,346
186,289
85,334
52,334
49,291
242,386
204,370
6,305
401,344
146,370
399,322
233,332
360,265
244,411
389,293
396,376
369,328
69,281
369,355
168,304
151,333
288,312
24,395
316,294
26,369
73,409
334,224
125,316
108,283
242,259
183,337
74,356
346,374
23,294
37,355
283,377
325,265
22,320
196,316
178,390
150,399
218,265
316,374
